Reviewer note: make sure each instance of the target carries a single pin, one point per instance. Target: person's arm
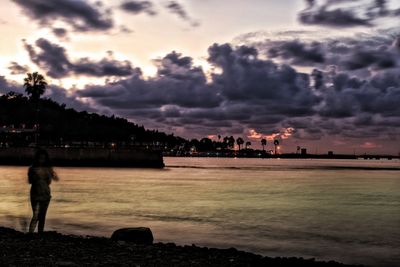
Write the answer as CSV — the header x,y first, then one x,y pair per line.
x,y
54,176
30,175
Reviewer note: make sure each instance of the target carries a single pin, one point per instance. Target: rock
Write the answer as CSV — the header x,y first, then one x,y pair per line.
x,y
137,235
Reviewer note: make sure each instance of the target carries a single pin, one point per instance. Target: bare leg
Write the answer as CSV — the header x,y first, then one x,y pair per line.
x,y
42,214
35,216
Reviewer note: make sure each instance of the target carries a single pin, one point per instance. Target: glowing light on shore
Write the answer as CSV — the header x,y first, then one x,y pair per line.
x,y
370,145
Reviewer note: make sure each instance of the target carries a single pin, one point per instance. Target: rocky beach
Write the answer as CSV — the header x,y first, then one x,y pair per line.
x,y
55,249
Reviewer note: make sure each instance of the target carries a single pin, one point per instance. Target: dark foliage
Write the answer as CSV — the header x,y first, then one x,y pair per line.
x,y
59,124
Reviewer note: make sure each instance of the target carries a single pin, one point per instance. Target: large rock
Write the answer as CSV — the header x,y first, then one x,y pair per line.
x,y
137,235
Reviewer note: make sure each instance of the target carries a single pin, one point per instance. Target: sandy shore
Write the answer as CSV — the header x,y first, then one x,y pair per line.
x,y
54,249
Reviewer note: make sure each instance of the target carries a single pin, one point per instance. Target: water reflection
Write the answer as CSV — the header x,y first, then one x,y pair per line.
x,y
302,208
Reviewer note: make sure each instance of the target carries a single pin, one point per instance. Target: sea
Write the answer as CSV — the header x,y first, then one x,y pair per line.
x,y
342,210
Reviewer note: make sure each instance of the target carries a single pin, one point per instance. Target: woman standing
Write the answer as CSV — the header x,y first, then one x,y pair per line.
x,y
40,175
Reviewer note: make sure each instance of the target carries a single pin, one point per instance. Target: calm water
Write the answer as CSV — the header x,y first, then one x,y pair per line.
x,y
337,210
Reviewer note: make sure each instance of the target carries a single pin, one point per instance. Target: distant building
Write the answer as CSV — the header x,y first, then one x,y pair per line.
x,y
304,151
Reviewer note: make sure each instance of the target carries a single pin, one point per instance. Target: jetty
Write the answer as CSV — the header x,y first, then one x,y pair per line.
x,y
85,157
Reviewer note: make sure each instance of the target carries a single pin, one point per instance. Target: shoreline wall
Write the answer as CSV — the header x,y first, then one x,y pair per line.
x,y
86,157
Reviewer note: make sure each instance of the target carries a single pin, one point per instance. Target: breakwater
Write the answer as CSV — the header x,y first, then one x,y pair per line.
x,y
86,157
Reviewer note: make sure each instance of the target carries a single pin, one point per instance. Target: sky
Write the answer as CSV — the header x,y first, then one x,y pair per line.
x,y
320,74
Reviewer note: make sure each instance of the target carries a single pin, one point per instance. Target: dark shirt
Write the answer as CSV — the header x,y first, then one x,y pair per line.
x,y
40,178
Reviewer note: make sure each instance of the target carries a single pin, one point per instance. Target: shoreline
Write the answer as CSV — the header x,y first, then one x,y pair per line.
x,y
55,249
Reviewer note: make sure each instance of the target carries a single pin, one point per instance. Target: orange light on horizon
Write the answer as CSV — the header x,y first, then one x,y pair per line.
x,y
285,133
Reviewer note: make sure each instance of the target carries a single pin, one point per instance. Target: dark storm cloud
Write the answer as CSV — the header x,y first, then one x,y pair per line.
x,y
252,93
68,97
359,76
248,92
362,53
8,86
335,18
262,95
367,53
382,94
60,32
137,7
176,66
178,83
298,52
350,96
366,58
343,13
51,57
55,60
245,77
81,15
177,9
16,68
359,79
103,68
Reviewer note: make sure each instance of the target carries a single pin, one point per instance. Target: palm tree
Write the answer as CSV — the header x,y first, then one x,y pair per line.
x,y
35,85
239,142
276,144
225,142
231,141
263,143
248,144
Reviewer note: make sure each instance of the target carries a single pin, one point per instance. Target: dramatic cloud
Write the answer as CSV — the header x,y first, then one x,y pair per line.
x,y
357,76
245,77
8,86
51,57
336,17
16,68
345,13
137,7
248,92
363,53
55,60
178,83
60,32
298,52
78,14
177,9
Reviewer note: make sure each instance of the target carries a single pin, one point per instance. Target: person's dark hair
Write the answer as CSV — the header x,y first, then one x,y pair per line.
x,y
38,154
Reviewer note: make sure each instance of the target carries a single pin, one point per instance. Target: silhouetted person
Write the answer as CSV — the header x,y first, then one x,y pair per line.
x,y
40,175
